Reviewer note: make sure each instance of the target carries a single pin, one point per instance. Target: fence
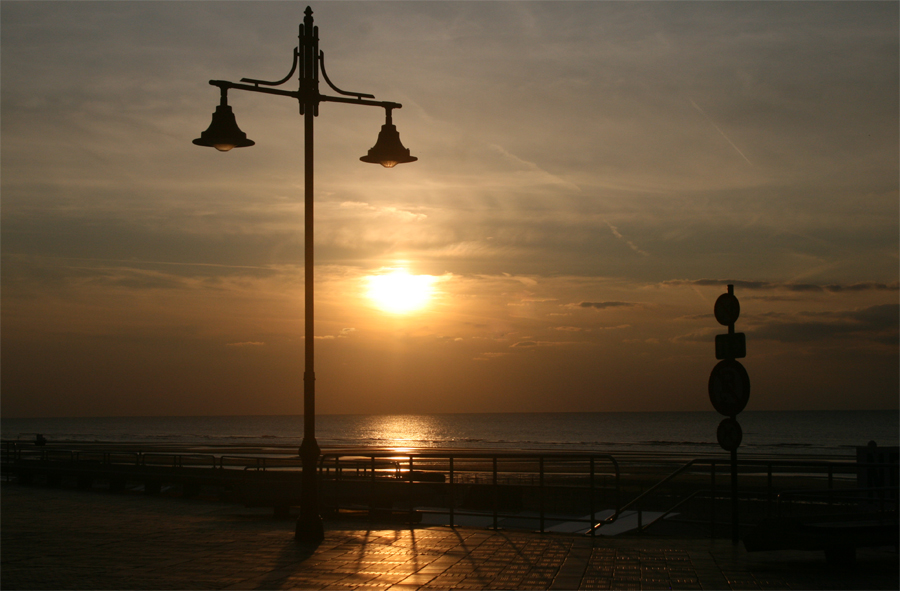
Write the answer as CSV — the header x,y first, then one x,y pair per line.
x,y
592,490
455,484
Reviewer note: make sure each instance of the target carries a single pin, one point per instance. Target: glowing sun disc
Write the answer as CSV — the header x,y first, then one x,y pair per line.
x,y
399,292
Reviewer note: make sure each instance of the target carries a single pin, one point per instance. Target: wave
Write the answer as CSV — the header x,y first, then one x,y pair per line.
x,y
680,443
764,432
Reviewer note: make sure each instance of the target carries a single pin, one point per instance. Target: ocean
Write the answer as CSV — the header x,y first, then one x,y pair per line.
x,y
817,433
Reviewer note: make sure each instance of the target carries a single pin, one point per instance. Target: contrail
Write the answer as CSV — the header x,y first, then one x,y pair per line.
x,y
702,112
630,244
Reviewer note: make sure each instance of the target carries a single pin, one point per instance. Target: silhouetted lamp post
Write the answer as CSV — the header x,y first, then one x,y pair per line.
x,y
224,134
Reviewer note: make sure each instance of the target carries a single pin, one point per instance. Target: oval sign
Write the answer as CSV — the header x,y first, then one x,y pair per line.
x,y
729,434
729,387
727,309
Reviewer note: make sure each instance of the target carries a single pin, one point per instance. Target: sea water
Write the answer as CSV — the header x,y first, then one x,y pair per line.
x,y
765,432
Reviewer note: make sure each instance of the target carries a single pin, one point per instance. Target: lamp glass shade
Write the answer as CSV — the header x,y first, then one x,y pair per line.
x,y
223,133
388,151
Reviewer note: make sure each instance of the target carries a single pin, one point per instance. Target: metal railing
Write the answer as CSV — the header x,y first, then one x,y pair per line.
x,y
474,484
13,451
636,501
766,499
521,485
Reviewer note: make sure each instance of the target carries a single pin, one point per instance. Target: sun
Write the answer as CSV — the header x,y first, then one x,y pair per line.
x,y
398,292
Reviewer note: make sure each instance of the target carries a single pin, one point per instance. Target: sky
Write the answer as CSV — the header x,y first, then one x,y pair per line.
x,y
591,177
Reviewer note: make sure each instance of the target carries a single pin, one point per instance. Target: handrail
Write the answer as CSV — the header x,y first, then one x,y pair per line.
x,y
621,509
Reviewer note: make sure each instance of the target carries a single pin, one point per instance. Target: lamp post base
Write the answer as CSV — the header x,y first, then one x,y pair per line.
x,y
310,529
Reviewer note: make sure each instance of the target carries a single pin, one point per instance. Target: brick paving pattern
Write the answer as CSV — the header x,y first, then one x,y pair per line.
x,y
71,539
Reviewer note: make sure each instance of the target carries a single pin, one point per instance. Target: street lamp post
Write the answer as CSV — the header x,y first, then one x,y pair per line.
x,y
224,134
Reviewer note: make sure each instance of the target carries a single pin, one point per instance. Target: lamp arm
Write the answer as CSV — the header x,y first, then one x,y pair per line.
x,y
358,95
283,80
225,85
337,99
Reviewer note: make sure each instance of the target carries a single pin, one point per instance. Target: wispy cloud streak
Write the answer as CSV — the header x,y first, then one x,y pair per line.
x,y
630,244
727,139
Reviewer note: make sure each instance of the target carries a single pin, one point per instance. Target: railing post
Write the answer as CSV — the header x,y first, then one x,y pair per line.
x,y
372,489
338,486
830,485
769,491
712,497
411,488
735,525
452,497
618,485
495,493
541,490
591,499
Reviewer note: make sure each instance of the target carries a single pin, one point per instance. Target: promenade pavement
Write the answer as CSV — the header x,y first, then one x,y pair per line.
x,y
73,539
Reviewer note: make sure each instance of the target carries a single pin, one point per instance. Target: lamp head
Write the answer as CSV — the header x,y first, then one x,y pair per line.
x,y
388,151
223,133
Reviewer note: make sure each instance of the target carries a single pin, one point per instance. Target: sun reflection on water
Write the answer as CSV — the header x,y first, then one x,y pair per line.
x,y
401,433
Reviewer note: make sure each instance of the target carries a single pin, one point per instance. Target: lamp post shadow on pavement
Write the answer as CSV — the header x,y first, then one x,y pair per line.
x,y
224,135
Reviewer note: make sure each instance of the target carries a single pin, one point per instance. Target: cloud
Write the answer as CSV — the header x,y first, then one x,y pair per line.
x,y
604,305
535,344
384,211
530,281
599,125
535,173
488,355
864,286
791,287
879,324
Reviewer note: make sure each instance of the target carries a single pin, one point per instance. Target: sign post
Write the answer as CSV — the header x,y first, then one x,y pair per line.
x,y
729,389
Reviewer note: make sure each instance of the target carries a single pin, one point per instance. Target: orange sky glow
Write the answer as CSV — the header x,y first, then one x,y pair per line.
x,y
591,176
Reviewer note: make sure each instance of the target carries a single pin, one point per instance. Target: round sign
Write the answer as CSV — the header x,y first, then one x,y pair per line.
x,y
729,387
727,309
729,434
